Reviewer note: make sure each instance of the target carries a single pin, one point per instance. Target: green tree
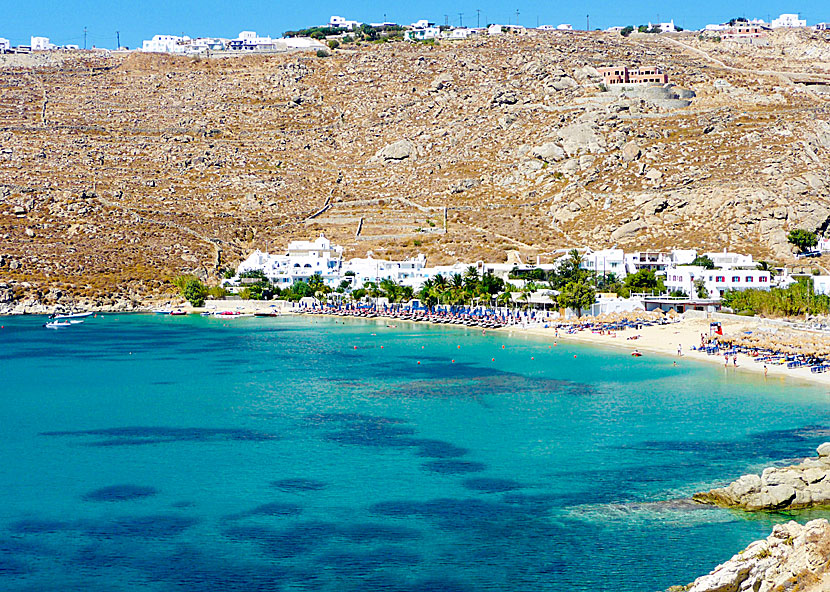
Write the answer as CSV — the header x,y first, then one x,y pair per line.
x,y
194,292
333,43
645,280
704,262
700,288
577,296
627,31
803,239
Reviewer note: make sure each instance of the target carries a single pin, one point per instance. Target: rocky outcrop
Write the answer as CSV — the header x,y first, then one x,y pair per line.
x,y
396,151
798,486
793,557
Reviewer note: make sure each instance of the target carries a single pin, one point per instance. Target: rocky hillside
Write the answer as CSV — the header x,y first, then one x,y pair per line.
x,y
119,172
793,557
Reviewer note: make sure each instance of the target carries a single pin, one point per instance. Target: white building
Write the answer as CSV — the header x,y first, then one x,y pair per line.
x,y
422,34
606,304
303,260
494,30
821,26
716,281
457,33
788,21
605,261
821,284
422,24
301,43
564,27
338,22
41,44
250,41
657,260
545,28
664,27
165,44
409,272
726,259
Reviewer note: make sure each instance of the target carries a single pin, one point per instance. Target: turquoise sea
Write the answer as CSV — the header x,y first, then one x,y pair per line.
x,y
142,452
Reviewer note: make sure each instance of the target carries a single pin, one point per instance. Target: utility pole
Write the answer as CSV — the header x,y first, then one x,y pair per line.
x,y
460,19
446,20
587,22
517,17
478,18
118,40
84,37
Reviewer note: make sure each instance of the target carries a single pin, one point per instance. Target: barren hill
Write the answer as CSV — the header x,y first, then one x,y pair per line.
x,y
117,173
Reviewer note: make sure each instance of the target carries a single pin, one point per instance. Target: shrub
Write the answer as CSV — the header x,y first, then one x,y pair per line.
x,y
333,44
322,53
217,292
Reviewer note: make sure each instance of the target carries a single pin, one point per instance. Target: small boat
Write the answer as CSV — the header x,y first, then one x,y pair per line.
x,y
178,313
57,324
205,314
73,315
636,353
266,314
75,321
161,311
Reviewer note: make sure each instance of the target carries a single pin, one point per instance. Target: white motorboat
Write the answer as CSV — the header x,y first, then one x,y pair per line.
x,y
57,324
75,321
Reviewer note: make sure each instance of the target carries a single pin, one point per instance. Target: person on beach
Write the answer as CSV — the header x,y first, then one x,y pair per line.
x,y
679,350
735,361
726,360
765,370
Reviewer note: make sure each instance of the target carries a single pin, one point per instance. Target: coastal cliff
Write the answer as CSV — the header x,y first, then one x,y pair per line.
x,y
804,485
793,557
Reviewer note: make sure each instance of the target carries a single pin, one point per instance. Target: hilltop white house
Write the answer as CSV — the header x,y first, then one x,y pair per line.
x,y
788,21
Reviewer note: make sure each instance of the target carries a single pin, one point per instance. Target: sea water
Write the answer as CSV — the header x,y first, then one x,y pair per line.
x,y
142,452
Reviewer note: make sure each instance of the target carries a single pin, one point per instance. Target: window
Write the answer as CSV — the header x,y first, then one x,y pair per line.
x,y
736,279
749,279
763,279
720,279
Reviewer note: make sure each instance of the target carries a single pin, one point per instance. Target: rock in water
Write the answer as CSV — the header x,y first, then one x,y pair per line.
x,y
793,557
799,486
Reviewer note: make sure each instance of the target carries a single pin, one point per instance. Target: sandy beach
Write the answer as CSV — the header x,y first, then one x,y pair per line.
x,y
665,340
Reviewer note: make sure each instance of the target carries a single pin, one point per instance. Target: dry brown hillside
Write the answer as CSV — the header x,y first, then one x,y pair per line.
x,y
118,173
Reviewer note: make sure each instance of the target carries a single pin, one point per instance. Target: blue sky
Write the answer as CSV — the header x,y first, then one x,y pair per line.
x,y
64,22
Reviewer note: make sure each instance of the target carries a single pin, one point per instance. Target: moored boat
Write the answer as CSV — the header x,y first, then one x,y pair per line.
x,y
57,324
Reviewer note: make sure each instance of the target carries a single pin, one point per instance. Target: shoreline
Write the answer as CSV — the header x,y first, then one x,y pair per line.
x,y
664,340
659,339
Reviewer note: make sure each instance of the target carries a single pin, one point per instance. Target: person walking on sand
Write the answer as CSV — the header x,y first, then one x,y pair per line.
x,y
735,361
725,360
679,350
765,370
